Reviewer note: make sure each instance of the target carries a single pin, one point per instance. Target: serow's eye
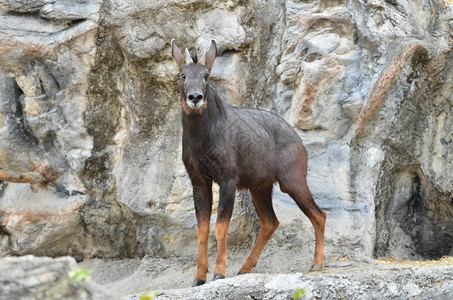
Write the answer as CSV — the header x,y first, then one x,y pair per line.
x,y
206,76
183,76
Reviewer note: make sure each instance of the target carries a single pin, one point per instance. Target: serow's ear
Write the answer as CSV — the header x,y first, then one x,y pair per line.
x,y
179,59
208,59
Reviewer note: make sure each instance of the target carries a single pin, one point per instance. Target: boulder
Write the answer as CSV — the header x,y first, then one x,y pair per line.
x,y
45,278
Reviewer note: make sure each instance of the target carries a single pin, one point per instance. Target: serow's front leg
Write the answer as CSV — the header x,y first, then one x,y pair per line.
x,y
226,203
203,207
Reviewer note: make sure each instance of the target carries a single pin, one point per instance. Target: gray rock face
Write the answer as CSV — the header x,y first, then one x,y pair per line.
x,y
89,93
47,56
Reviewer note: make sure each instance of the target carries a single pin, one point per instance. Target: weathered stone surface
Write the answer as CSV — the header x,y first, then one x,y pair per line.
x,y
41,278
46,57
44,278
90,92
417,209
376,281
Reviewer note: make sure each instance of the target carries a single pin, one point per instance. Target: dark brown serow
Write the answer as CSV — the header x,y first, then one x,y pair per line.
x,y
238,148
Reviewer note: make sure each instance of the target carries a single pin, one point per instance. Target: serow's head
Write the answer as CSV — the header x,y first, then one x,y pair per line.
x,y
194,77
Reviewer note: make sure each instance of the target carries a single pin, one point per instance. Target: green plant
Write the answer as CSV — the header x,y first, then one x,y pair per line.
x,y
299,294
79,275
148,295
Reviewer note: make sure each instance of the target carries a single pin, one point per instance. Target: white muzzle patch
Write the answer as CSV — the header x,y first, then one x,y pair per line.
x,y
193,105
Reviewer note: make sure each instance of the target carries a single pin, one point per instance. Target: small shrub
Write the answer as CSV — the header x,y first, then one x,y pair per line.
x,y
299,294
148,295
79,275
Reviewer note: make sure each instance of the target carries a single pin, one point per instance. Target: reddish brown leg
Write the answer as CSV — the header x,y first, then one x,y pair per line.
x,y
203,206
221,231
292,180
203,264
317,217
226,203
262,200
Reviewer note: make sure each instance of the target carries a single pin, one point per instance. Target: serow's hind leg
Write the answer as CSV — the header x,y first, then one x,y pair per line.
x,y
294,183
317,217
262,200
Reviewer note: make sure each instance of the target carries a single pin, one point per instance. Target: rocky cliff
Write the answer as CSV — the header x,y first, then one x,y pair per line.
x,y
90,117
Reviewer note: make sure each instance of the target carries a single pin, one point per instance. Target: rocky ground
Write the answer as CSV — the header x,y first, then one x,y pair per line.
x,y
45,278
372,281
341,279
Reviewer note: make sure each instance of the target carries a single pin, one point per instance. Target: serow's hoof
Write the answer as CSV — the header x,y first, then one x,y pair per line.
x,y
316,268
242,272
198,282
219,276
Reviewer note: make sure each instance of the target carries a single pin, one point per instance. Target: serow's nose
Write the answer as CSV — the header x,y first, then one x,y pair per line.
x,y
195,97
